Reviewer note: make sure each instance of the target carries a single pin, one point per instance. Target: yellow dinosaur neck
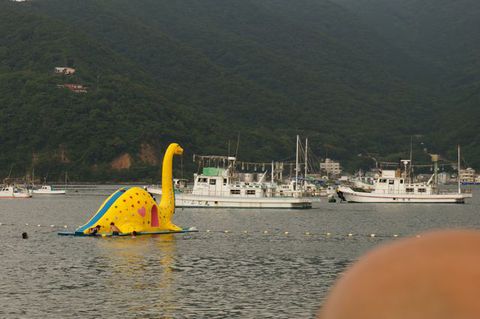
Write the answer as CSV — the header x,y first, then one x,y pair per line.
x,y
167,203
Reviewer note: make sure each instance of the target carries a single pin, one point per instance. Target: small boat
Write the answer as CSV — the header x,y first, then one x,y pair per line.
x,y
12,191
391,188
47,190
395,186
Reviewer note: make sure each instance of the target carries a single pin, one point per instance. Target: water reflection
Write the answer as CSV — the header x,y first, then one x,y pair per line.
x,y
141,268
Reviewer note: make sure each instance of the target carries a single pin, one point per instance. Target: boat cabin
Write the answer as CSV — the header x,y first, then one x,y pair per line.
x,y
391,182
218,182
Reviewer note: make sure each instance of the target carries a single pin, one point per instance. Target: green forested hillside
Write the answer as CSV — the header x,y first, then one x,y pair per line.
x,y
203,72
442,35
39,120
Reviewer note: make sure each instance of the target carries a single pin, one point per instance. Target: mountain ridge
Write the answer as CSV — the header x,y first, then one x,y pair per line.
x,y
203,72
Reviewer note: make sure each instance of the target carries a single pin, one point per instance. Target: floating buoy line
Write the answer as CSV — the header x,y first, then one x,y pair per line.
x,y
276,232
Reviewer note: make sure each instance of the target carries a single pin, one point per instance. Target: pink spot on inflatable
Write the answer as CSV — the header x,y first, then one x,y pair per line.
x,y
142,211
155,216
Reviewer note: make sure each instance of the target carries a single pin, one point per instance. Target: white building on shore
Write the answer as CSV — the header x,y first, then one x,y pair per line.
x,y
331,167
467,175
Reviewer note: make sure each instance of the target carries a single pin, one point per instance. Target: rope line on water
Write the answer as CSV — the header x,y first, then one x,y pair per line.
x,y
275,232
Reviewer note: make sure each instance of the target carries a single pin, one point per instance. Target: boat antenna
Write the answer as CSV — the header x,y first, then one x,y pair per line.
x,y
10,173
410,172
197,162
181,166
238,144
296,165
273,172
306,159
458,169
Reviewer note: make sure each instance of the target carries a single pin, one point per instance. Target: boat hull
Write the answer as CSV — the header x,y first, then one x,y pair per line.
x,y
360,197
183,200
40,192
227,202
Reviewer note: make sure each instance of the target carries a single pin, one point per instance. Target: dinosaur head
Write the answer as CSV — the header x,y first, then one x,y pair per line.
x,y
178,149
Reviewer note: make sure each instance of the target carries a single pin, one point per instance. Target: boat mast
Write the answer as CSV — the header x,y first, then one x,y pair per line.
x,y
458,169
410,179
238,144
435,158
306,159
296,165
273,172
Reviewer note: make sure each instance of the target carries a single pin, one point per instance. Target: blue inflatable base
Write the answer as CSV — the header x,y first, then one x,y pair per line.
x,y
162,232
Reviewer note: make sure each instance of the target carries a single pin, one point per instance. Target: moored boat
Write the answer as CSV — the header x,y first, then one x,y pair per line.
x,y
12,191
394,186
47,190
223,187
393,190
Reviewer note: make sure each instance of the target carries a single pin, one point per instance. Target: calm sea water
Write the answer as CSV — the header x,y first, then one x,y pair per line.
x,y
242,263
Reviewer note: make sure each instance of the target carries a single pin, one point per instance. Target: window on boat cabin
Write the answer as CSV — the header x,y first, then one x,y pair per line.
x,y
391,181
383,180
409,190
401,181
250,192
235,191
421,190
224,181
202,180
213,181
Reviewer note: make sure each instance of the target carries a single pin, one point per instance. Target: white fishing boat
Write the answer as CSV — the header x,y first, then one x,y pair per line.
x,y
47,190
394,186
12,191
300,185
224,187
304,189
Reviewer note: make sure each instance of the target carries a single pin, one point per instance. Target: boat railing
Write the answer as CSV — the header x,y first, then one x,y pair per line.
x,y
438,191
451,191
397,192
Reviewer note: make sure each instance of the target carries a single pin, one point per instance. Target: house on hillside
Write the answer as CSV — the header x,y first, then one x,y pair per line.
x,y
64,70
76,88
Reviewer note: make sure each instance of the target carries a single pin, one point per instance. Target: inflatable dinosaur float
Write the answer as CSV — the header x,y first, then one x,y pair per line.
x,y
132,210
